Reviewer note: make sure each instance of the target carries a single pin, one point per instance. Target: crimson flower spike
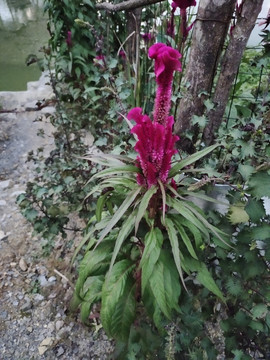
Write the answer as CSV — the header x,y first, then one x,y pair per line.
x,y
166,62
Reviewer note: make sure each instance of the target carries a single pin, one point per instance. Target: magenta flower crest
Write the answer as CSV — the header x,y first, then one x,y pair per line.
x,y
183,4
155,147
166,62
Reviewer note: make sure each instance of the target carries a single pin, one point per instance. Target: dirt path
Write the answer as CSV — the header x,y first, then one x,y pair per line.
x,y
34,319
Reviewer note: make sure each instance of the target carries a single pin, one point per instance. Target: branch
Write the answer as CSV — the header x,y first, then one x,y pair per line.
x,y
126,5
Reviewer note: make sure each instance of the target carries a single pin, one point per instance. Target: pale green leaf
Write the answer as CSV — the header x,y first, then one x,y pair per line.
x,y
119,214
182,209
124,231
115,171
175,247
238,214
100,205
191,159
185,238
143,205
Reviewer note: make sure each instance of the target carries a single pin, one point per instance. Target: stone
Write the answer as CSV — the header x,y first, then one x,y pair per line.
x,y
59,324
60,351
3,203
38,298
27,305
3,236
23,265
6,184
47,341
52,279
42,280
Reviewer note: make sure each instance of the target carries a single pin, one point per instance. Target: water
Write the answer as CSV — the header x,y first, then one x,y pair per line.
x,y
22,32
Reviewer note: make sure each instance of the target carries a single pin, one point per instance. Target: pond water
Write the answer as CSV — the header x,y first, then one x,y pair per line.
x,y
22,32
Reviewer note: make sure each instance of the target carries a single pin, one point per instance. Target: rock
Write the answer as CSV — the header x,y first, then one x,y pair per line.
x,y
3,203
59,324
38,298
23,265
52,279
27,305
60,351
42,280
51,327
6,184
47,341
3,236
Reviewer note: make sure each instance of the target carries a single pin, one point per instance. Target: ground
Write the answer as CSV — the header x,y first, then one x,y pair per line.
x,y
35,292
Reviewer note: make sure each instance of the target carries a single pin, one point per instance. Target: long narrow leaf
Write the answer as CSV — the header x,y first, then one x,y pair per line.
x,y
119,213
180,207
211,228
191,159
124,231
116,170
143,205
175,247
185,238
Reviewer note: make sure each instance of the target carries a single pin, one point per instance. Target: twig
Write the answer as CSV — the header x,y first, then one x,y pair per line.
x,y
126,5
64,277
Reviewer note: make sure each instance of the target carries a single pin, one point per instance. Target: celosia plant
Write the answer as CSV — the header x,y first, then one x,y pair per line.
x,y
147,238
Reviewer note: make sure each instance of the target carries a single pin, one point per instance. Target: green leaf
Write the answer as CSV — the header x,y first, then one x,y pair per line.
x,y
185,238
118,300
258,184
95,262
259,311
90,293
255,210
237,214
180,207
119,213
245,171
31,214
124,231
203,276
85,311
115,170
175,247
100,205
143,205
191,159
165,286
256,325
151,252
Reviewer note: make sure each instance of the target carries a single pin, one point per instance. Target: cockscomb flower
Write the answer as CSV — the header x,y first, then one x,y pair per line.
x,y
155,147
166,62
183,4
